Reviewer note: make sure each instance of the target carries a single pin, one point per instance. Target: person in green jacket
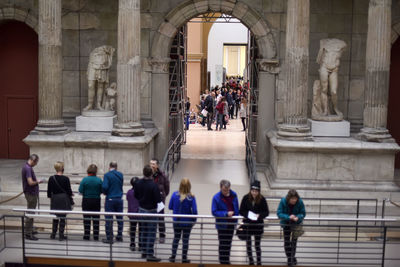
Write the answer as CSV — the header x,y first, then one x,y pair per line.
x,y
291,211
91,187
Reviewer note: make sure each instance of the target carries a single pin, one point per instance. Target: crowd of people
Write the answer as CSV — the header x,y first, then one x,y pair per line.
x,y
147,196
219,105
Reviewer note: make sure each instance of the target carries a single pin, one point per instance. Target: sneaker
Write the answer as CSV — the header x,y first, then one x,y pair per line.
x,y
152,259
31,237
162,240
108,241
185,261
119,239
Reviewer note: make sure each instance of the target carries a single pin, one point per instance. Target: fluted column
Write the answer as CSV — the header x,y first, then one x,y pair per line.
x,y
128,70
377,72
295,125
50,68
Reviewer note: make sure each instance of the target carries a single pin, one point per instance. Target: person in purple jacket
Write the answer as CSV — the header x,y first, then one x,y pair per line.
x,y
133,207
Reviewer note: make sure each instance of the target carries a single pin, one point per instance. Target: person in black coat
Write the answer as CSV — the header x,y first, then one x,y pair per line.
x,y
255,203
59,190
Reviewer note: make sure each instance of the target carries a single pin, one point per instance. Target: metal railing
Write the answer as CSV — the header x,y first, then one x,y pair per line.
x,y
250,161
172,156
333,244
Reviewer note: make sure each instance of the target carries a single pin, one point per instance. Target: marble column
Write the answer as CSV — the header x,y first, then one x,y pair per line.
x,y
50,69
295,125
128,70
377,72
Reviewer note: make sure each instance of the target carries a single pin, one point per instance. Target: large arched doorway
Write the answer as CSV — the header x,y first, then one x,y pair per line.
x,y
19,87
394,96
160,59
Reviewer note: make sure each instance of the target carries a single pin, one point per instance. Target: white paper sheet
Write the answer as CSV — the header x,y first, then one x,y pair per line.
x,y
160,206
252,216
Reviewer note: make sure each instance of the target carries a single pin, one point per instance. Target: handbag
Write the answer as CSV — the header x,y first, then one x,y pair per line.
x,y
241,232
61,201
297,230
204,112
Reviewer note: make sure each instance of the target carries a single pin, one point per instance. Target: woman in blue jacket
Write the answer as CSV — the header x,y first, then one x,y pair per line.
x,y
291,211
225,204
182,202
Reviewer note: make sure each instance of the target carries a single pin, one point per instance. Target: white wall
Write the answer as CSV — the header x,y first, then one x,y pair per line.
x,y
220,33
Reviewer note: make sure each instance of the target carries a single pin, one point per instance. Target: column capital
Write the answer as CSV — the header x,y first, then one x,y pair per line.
x,y
269,65
160,65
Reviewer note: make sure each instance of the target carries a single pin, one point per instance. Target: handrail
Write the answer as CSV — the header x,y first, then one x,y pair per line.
x,y
170,155
366,219
250,162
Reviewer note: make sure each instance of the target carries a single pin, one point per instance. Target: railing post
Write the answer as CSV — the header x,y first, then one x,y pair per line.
x,y
384,245
358,213
338,246
23,239
383,210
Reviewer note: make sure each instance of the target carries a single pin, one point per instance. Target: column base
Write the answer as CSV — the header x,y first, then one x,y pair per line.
x,y
378,135
128,129
55,127
294,132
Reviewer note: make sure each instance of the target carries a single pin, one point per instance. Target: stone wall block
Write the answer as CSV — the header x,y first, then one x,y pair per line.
x,y
108,21
20,14
145,43
176,18
70,21
278,6
189,11
167,29
227,6
214,5
240,10
356,108
360,23
361,6
260,28
274,20
88,21
201,6
70,63
146,20
160,41
320,6
70,83
394,37
298,164
72,105
145,84
32,21
336,166
84,84
71,5
266,43
70,43
341,6
371,167
8,13
250,18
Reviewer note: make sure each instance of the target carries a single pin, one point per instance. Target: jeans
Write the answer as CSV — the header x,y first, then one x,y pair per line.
x,y
31,202
225,241
147,233
179,231
289,243
114,205
91,204
257,241
209,120
219,120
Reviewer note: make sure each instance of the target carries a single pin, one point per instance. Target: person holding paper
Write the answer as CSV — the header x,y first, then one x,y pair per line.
x,y
254,209
182,202
148,195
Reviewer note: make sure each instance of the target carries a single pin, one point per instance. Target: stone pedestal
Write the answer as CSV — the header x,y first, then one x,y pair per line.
x,y
80,149
330,128
95,124
329,163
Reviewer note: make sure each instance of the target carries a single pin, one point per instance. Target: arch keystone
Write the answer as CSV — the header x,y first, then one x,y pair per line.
x,y
228,6
215,5
201,6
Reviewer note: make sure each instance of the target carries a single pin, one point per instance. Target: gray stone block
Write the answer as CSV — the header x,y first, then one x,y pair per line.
x,y
275,6
360,23
72,104
359,47
342,7
256,5
361,6
90,39
71,5
320,6
88,21
99,6
108,21
356,92
146,20
70,63
274,20
70,43
70,21
145,43
84,61
356,109
70,83
84,85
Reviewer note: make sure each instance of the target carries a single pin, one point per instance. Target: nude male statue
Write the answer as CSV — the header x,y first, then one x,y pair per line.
x,y
329,59
99,64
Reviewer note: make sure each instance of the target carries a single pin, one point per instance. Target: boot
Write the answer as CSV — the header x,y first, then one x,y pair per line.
x,y
54,229
61,235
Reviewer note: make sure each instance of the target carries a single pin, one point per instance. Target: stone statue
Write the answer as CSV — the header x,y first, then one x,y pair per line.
x,y
99,64
325,89
110,96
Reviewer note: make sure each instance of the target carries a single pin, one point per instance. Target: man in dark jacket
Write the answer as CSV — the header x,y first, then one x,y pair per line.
x,y
231,103
163,185
209,106
148,195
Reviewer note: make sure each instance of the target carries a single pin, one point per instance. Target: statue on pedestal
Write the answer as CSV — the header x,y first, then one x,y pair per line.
x,y
324,106
99,64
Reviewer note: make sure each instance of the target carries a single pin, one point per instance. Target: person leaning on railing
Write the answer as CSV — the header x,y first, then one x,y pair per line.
x,y
291,211
182,202
254,209
91,187
225,204
60,193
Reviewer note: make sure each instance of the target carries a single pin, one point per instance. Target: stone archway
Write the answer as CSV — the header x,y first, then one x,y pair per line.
x,y
159,59
25,16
